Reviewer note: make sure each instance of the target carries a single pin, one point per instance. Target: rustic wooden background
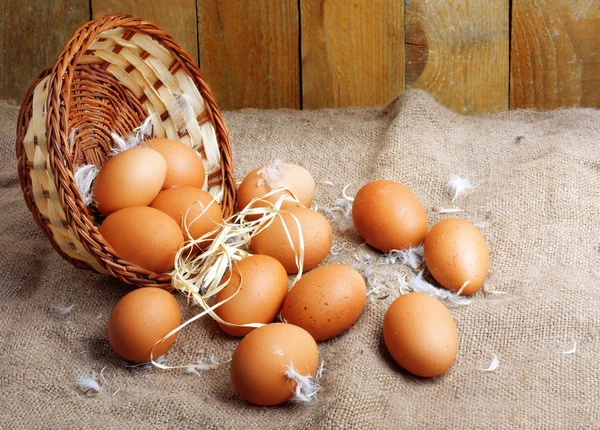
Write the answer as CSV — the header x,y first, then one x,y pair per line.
x,y
475,56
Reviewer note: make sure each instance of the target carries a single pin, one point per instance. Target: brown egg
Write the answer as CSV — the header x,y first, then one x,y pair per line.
x,y
316,233
263,285
296,178
139,320
143,236
130,178
175,202
261,358
184,166
388,216
455,252
326,301
420,334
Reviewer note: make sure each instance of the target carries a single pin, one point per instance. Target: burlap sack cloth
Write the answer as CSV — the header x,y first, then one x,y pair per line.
x,y
537,201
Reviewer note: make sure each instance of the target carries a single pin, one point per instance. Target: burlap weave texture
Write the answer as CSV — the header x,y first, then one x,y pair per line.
x,y
537,201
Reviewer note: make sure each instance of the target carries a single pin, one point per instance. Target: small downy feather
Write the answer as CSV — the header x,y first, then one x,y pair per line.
x,y
271,174
458,186
375,280
133,139
203,364
340,214
420,285
89,384
446,210
64,310
488,292
573,349
493,364
185,113
412,257
338,247
84,177
306,386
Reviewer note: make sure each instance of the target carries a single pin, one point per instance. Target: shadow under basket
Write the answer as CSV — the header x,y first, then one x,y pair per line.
x,y
112,75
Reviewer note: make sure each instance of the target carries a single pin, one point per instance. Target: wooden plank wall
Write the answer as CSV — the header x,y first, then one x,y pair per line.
x,y
464,55
555,53
474,56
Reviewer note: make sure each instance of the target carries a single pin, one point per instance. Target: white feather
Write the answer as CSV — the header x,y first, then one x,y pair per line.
x,y
89,384
203,364
458,186
487,291
493,364
133,139
272,174
573,350
375,281
64,310
412,257
84,178
306,385
418,284
184,113
340,214
345,193
120,144
447,210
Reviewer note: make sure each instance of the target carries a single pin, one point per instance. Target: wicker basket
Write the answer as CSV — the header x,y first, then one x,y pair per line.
x,y
114,73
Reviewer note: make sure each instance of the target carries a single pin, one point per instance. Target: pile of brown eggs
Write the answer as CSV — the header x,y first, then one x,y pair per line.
x,y
145,193
270,361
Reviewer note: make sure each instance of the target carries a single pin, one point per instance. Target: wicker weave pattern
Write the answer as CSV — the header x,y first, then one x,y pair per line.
x,y
114,73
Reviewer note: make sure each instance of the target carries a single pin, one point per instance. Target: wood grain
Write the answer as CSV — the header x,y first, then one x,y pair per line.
x,y
249,52
175,17
31,37
459,52
555,53
352,52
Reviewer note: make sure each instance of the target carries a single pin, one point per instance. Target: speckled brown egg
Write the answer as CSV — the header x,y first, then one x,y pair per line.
x,y
204,214
184,166
262,283
316,233
326,301
420,334
260,360
139,320
130,178
455,251
266,178
143,236
388,216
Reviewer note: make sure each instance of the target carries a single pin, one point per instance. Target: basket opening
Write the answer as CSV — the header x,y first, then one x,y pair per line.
x,y
99,105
